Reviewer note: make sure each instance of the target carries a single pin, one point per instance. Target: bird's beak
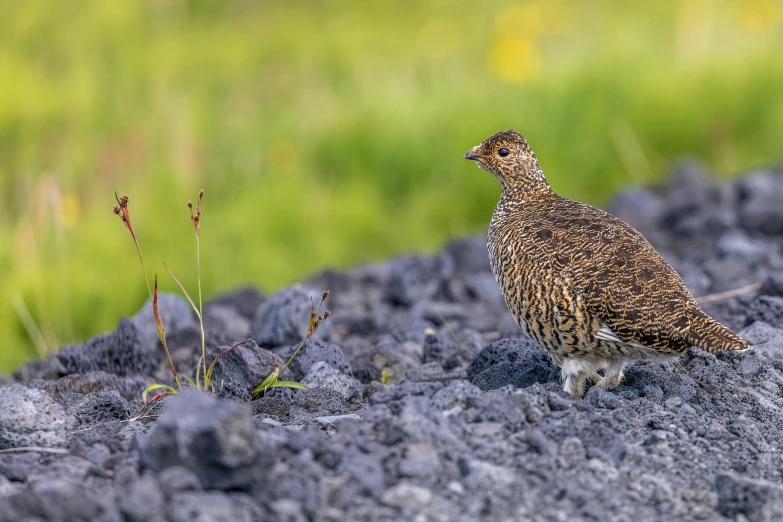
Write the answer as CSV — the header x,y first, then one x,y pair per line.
x,y
470,155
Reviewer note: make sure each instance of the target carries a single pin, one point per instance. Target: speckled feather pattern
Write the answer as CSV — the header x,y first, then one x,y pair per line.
x,y
583,284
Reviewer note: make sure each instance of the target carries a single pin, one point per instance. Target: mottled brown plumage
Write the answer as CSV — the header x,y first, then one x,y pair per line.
x,y
587,287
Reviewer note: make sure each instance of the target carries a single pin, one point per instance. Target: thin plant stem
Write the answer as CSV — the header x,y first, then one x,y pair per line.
x,y
310,332
162,332
291,359
201,308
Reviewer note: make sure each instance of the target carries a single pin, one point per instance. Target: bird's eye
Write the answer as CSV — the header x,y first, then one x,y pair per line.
x,y
503,152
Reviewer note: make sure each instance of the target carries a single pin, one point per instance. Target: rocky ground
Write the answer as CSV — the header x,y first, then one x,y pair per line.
x,y
472,424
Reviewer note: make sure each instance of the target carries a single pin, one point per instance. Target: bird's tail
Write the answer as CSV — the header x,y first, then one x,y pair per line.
x,y
709,335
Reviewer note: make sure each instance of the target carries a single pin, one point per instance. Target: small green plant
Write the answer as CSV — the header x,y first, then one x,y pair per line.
x,y
203,377
123,211
273,379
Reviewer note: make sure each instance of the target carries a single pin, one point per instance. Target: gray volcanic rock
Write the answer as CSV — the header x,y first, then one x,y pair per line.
x,y
29,417
213,438
283,318
123,352
425,400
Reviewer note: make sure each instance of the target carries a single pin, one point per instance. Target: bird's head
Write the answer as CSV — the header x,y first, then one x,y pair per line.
x,y
510,159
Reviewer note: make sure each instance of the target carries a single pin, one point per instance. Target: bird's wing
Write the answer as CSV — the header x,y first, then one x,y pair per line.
x,y
637,296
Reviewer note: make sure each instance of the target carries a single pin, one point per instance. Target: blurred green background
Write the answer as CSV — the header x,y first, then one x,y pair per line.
x,y
331,133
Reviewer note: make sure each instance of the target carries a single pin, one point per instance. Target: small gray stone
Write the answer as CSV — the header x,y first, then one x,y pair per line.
x,y
766,308
175,312
97,407
749,365
674,402
455,393
239,371
406,495
178,478
572,451
757,500
31,418
287,510
761,209
123,352
141,500
321,375
652,390
331,420
214,506
226,320
315,351
603,399
284,317
211,437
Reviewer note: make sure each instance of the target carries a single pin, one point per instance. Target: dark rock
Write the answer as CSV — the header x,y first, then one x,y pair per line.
x,y
757,500
129,388
330,420
97,407
511,361
603,399
122,353
389,355
405,389
31,418
439,348
214,506
469,255
300,483
232,325
213,438
766,340
142,500
321,375
238,372
760,209
315,351
244,300
58,500
455,393
284,317
773,284
320,401
18,466
50,368
416,279
638,207
431,371
177,478
272,405
175,312
768,309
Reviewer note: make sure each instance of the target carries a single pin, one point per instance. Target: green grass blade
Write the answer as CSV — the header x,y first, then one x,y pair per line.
x,y
153,387
185,292
288,384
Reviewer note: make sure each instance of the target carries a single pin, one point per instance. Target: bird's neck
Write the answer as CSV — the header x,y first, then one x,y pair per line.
x,y
523,185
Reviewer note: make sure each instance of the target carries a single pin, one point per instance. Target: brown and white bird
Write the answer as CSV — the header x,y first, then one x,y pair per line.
x,y
587,287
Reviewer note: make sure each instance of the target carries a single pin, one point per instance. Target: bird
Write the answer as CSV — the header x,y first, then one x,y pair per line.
x,y
584,285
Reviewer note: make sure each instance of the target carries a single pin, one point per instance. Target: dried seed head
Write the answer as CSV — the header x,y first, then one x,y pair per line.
x,y
327,314
326,295
190,205
116,210
201,194
124,201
